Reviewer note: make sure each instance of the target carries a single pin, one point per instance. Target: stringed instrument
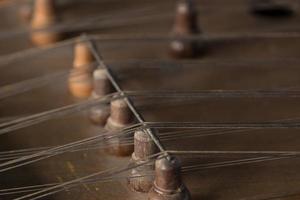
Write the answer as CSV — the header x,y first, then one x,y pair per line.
x,y
155,100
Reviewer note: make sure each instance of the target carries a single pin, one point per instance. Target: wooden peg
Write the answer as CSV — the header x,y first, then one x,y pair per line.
x,y
83,56
185,25
43,18
81,77
168,184
121,117
102,86
144,147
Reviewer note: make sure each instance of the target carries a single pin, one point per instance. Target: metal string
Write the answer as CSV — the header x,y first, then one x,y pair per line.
x,y
30,84
7,127
25,160
102,174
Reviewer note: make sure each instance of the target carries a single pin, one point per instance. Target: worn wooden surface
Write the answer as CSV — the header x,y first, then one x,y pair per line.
x,y
253,181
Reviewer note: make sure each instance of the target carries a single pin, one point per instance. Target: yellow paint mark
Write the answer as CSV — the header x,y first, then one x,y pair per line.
x,y
59,179
86,187
71,167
